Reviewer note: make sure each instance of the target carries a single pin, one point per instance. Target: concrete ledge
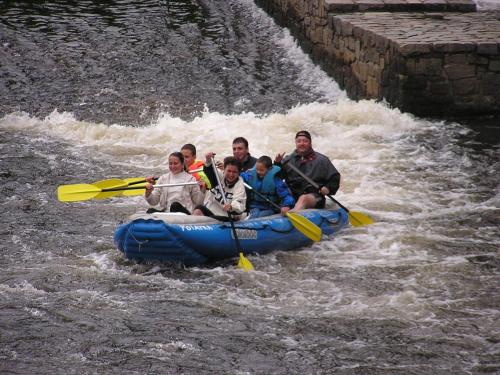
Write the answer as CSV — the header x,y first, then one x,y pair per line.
x,y
419,62
342,6
427,63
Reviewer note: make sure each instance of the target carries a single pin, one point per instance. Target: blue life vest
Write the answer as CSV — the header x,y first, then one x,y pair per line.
x,y
265,186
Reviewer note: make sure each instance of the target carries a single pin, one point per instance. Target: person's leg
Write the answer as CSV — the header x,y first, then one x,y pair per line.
x,y
201,210
259,212
152,210
178,207
321,201
306,201
267,212
254,212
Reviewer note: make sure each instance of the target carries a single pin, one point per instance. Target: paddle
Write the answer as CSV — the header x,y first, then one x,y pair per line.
x,y
135,181
356,219
243,263
112,183
303,225
82,192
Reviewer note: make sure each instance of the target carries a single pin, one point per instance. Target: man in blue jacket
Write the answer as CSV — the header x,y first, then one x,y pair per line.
x,y
314,165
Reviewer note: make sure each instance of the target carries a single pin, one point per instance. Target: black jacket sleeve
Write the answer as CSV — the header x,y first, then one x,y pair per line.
x,y
210,173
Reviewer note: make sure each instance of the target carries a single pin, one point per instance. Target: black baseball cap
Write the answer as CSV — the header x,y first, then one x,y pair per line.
x,y
303,133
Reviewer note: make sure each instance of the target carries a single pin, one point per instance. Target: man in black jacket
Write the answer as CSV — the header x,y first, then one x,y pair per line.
x,y
314,165
242,154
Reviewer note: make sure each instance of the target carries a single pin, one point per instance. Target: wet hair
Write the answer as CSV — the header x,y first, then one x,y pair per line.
x,y
179,156
231,160
190,147
266,161
241,140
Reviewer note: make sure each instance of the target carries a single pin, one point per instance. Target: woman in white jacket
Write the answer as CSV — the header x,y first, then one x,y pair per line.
x,y
174,198
234,189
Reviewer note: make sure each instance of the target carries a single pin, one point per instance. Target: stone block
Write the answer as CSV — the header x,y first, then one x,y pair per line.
x,y
381,62
454,47
477,60
434,5
316,35
395,5
461,6
466,86
349,56
372,55
424,66
487,48
490,84
339,6
381,43
337,25
459,71
413,49
411,66
346,29
494,66
364,5
430,66
417,83
327,36
414,5
456,58
368,39
358,32
439,88
372,88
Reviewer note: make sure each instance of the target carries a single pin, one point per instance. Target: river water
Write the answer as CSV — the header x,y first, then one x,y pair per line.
x,y
91,91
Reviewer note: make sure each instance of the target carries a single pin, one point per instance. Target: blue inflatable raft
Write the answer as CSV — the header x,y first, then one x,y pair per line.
x,y
194,240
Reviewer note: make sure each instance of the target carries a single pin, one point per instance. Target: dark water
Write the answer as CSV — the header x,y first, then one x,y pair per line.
x,y
416,293
120,60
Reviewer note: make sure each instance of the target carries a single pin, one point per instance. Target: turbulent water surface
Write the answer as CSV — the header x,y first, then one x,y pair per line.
x,y
92,91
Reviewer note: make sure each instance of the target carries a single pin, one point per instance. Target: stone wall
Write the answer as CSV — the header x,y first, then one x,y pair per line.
x,y
426,63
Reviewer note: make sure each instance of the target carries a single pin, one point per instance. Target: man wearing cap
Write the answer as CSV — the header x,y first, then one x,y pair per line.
x,y
314,165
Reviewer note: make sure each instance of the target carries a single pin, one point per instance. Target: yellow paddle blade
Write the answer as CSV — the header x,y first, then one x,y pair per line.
x,y
244,263
77,192
134,182
305,226
109,184
358,219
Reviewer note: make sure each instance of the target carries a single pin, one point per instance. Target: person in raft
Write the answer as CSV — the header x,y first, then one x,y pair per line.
x,y
234,189
242,153
314,165
189,153
264,180
174,198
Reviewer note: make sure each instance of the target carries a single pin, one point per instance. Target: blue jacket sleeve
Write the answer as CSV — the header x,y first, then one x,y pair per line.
x,y
245,176
284,193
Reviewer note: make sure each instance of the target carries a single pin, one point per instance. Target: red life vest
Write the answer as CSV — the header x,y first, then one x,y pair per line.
x,y
196,165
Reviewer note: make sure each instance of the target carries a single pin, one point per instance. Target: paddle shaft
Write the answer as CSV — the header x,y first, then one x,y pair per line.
x,y
156,178
262,196
303,225
314,184
236,239
154,186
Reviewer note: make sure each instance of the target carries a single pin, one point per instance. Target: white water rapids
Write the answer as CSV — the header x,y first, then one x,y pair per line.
x,y
416,292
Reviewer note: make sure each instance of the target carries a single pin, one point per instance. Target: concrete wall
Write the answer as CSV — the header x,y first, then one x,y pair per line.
x,y
426,63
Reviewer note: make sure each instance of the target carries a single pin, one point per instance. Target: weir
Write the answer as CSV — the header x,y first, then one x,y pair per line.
x,y
427,57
